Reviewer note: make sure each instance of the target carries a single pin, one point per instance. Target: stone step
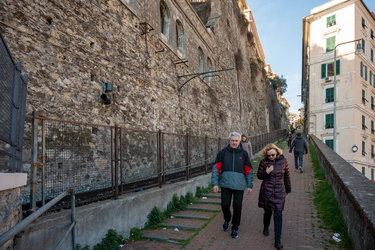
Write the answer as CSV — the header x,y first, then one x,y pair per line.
x,y
209,200
213,195
204,207
194,214
168,234
179,223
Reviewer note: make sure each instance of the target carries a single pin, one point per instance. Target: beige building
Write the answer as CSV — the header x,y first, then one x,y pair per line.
x,y
332,31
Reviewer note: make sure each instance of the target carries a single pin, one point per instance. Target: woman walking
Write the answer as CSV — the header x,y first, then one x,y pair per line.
x,y
275,175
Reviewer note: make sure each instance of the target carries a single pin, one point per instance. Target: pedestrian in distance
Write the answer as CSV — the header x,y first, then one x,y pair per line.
x,y
246,144
233,173
289,138
276,185
299,145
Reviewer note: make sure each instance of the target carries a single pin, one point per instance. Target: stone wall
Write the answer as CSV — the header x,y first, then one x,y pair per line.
x,y
70,48
354,192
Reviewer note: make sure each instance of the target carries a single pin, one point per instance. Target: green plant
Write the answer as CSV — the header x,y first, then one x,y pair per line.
x,y
135,234
112,241
79,247
328,208
199,192
155,217
182,203
189,197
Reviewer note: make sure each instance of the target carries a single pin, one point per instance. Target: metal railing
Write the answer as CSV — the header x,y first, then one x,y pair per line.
x,y
101,162
28,220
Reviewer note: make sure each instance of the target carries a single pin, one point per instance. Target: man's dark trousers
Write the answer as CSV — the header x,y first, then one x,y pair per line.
x,y
226,196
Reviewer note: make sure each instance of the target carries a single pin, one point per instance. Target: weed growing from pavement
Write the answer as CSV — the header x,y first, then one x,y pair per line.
x,y
326,204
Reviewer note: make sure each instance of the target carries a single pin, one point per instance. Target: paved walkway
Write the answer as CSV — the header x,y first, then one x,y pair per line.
x,y
301,227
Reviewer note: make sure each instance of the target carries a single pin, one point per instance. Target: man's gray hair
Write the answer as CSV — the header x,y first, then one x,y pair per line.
x,y
234,134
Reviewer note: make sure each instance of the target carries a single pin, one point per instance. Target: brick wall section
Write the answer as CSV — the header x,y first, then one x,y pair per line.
x,y
354,192
68,48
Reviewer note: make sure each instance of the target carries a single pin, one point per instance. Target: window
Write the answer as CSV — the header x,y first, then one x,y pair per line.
x,y
329,121
200,60
363,46
372,103
372,34
363,71
165,19
363,23
372,174
330,43
372,55
209,68
331,20
364,170
372,151
330,95
327,69
364,127
363,148
180,37
364,100
329,143
372,79
372,127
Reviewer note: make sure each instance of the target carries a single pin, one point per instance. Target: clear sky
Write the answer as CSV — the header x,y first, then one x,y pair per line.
x,y
279,24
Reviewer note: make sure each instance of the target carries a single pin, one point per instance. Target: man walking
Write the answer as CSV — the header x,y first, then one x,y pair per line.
x,y
300,148
233,173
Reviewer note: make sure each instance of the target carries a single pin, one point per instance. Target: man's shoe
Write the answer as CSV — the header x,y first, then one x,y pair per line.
x,y
265,231
278,244
234,233
226,226
300,169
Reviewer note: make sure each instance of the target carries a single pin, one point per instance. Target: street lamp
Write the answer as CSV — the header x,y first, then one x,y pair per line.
x,y
359,49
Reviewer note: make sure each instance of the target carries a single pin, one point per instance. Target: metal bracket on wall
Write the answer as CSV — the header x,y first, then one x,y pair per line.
x,y
194,75
180,61
146,28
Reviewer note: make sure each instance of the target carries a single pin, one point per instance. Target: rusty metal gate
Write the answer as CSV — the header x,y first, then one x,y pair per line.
x,y
13,86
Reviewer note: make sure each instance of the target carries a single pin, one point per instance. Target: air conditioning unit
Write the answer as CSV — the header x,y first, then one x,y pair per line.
x,y
328,79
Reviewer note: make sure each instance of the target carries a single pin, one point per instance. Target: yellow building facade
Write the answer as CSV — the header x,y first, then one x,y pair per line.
x,y
338,82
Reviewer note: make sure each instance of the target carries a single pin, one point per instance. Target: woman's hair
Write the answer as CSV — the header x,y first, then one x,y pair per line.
x,y
234,134
268,147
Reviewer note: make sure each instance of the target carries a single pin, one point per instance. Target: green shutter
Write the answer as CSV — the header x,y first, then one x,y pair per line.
x,y
324,71
361,69
329,95
330,43
329,121
329,143
337,67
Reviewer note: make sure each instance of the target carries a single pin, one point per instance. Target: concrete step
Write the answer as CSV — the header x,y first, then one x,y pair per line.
x,y
194,214
204,207
209,200
193,224
168,234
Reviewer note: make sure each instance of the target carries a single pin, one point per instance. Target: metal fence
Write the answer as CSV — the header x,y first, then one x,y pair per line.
x,y
13,88
99,162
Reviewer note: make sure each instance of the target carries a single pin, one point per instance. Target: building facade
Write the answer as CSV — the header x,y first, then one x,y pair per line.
x,y
338,83
143,64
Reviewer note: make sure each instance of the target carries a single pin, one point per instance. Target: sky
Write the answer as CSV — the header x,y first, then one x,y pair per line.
x,y
279,25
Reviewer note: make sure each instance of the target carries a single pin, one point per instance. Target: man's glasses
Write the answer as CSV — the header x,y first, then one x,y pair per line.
x,y
273,155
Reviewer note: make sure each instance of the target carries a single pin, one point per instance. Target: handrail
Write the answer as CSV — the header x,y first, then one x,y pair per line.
x,y
20,226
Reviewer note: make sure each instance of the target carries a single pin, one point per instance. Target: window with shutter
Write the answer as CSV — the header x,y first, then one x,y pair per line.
x,y
329,95
330,43
329,121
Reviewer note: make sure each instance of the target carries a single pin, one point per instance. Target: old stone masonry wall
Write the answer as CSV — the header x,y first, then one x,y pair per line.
x,y
71,48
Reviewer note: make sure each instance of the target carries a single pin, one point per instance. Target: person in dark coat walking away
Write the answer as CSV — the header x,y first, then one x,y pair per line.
x,y
233,173
289,138
300,148
276,185
246,144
